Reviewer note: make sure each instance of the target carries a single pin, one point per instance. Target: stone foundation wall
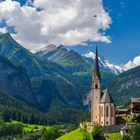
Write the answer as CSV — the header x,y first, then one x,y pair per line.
x,y
112,128
106,129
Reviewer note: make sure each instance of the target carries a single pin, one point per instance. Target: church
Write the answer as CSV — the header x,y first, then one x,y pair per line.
x,y
103,109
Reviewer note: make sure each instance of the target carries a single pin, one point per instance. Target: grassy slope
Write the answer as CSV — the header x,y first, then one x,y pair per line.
x,y
29,127
115,136
78,135
74,135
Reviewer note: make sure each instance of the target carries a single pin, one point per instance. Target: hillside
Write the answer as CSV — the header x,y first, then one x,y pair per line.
x,y
45,75
13,109
74,63
125,86
77,134
15,81
70,60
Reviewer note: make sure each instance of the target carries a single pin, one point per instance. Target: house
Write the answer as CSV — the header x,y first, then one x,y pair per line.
x,y
135,106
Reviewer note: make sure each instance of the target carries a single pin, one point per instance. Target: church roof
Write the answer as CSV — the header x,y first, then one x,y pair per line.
x,y
106,98
96,66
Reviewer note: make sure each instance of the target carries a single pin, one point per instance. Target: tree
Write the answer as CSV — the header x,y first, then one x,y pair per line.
x,y
97,132
134,132
126,137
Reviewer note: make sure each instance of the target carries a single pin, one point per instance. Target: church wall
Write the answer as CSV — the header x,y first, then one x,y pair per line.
x,y
107,117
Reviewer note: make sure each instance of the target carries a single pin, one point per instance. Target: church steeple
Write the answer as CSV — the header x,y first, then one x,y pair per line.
x,y
96,66
96,91
102,107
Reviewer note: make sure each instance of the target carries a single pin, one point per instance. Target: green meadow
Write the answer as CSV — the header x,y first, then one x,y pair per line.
x,y
79,134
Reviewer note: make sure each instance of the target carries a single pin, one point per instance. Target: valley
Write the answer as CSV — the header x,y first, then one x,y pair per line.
x,y
52,86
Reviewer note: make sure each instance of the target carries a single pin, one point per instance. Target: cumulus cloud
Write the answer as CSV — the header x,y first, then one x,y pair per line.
x,y
59,22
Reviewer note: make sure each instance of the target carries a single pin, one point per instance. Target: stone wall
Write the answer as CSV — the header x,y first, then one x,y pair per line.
x,y
106,129
112,128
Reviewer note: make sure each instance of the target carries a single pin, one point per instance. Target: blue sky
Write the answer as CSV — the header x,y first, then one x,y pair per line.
x,y
124,30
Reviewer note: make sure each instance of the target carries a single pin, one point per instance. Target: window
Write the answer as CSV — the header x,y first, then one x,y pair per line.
x,y
101,111
107,111
96,86
112,111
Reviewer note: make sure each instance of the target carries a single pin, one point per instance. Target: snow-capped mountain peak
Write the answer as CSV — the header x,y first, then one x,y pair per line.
x,y
89,54
132,63
104,64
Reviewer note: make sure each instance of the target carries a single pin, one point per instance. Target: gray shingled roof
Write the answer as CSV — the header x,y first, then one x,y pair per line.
x,y
106,98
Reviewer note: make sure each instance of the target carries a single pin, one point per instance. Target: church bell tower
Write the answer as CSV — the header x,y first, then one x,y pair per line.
x,y
96,92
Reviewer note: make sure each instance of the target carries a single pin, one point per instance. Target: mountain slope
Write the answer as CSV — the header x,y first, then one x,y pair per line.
x,y
125,86
50,83
10,49
13,109
70,60
15,81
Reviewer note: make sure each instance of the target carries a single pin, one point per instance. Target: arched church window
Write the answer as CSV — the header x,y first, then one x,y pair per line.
x,y
107,111
112,111
101,111
96,86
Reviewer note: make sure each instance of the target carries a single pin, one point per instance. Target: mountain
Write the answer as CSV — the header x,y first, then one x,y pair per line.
x,y
15,81
104,64
132,63
10,49
52,86
70,60
125,86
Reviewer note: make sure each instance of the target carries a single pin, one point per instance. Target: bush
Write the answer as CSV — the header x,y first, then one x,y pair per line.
x,y
126,137
134,133
97,133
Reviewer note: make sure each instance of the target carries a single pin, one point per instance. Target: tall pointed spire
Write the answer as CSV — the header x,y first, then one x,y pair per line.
x,y
96,66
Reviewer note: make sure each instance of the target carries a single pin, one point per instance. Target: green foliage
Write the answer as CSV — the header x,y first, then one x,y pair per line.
x,y
51,134
13,109
120,120
134,132
128,118
86,135
97,132
10,129
126,137
16,130
67,116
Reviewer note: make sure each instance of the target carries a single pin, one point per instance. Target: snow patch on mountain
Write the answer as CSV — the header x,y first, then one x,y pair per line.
x,y
104,64
132,63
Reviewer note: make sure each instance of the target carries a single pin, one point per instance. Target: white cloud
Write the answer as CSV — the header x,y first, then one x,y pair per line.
x,y
59,22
